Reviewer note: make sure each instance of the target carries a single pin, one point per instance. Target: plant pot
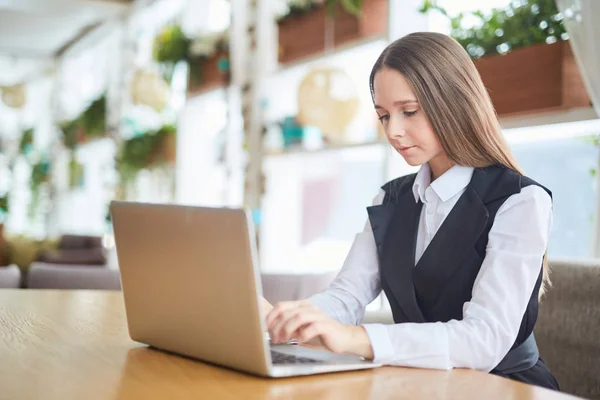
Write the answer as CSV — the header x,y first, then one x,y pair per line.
x,y
165,153
534,79
211,76
303,35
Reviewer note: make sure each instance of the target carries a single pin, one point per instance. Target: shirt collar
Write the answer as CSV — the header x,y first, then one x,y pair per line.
x,y
446,186
422,181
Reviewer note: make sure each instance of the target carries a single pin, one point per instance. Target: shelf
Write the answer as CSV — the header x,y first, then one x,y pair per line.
x,y
191,94
328,148
338,51
548,118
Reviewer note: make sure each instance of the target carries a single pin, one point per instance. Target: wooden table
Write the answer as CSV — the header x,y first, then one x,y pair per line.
x,y
75,345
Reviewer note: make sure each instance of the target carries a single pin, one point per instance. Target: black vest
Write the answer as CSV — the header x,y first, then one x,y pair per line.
x,y
442,281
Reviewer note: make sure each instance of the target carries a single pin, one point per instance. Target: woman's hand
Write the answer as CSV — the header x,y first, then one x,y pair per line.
x,y
302,321
266,306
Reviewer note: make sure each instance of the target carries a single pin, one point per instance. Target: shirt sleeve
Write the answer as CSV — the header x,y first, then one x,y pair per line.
x,y
358,282
502,289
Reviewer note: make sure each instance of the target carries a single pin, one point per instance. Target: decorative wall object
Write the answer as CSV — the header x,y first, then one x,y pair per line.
x,y
14,96
149,88
327,99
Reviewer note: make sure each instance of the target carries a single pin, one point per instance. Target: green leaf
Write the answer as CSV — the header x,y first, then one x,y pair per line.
x,y
352,6
143,152
519,26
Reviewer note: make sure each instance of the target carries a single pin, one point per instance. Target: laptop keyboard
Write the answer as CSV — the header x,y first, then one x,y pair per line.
x,y
281,358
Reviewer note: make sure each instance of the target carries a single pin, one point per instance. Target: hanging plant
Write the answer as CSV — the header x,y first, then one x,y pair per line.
x,y
75,172
172,45
70,131
93,119
89,125
26,143
40,174
523,23
149,150
4,204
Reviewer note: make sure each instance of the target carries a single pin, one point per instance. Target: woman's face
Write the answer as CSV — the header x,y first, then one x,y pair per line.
x,y
405,124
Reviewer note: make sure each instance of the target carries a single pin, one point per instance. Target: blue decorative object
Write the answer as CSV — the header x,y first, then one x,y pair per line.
x,y
292,132
256,216
223,64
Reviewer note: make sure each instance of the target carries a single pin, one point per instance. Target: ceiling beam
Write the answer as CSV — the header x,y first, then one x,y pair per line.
x,y
39,6
79,36
24,53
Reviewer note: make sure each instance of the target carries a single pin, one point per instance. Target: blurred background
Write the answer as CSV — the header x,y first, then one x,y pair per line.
x,y
266,104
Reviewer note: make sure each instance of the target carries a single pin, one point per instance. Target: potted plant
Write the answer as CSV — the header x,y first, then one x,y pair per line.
x,y
76,172
26,142
523,56
207,56
3,207
146,151
302,30
89,125
40,174
93,120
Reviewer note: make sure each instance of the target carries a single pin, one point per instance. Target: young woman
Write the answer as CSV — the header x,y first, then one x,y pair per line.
x,y
458,248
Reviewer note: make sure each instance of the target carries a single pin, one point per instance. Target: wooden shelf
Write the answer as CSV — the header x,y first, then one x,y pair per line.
x,y
337,51
303,35
326,148
190,94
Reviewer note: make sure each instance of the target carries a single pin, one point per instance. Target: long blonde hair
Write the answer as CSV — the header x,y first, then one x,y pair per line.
x,y
452,95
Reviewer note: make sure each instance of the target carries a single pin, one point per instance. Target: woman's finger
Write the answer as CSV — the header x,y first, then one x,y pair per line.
x,y
311,331
280,308
277,326
302,318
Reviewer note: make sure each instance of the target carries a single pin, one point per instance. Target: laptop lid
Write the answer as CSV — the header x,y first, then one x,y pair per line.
x,y
190,282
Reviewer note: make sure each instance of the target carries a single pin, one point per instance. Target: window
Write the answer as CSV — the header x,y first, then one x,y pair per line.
x,y
562,158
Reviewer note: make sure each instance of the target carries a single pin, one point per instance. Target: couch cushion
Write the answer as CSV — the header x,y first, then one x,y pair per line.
x,y
72,242
568,326
279,287
10,277
93,256
54,276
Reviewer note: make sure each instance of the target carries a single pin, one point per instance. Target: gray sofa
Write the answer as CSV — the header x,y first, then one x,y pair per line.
x,y
10,277
55,276
282,287
568,327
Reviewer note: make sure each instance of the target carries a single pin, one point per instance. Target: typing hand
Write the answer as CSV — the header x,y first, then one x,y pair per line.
x,y
266,306
302,321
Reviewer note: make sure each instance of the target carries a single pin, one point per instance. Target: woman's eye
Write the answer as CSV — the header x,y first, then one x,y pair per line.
x,y
384,117
410,113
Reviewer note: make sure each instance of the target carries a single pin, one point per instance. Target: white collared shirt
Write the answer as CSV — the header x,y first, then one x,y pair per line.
x,y
501,292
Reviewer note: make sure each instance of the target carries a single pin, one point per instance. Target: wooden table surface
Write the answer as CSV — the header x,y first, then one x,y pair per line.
x,y
75,345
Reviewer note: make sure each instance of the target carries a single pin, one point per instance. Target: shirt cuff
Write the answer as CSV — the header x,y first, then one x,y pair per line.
x,y
383,350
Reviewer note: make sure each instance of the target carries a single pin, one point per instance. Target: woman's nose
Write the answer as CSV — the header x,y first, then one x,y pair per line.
x,y
396,129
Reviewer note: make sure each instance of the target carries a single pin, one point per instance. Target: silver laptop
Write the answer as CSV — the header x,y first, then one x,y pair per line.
x,y
191,286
